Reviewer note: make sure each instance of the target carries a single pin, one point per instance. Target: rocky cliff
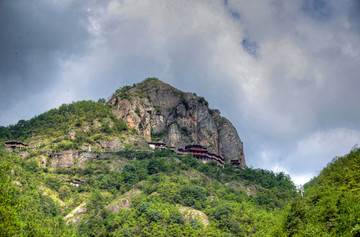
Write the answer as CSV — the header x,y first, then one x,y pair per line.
x,y
162,113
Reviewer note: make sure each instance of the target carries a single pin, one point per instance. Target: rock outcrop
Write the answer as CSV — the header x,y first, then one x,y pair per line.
x,y
111,144
64,159
163,113
124,202
42,161
67,159
75,215
190,213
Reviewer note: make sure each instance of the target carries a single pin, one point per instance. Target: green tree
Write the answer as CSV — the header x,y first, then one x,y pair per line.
x,y
102,101
64,192
176,217
10,206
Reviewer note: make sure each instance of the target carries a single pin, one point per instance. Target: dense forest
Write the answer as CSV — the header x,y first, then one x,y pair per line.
x,y
35,200
140,192
58,121
330,206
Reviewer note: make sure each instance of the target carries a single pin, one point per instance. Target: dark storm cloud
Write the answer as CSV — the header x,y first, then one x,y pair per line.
x,y
34,37
354,15
284,72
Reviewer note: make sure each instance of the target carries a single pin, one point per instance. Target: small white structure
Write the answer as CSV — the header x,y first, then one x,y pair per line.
x,y
157,145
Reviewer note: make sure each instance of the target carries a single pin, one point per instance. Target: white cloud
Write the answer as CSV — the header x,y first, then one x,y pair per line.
x,y
277,169
302,178
302,78
315,151
333,142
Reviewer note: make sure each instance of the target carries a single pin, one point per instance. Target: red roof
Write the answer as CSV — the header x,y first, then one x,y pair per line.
x,y
15,144
199,150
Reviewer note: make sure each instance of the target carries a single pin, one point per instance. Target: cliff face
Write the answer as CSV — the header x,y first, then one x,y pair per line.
x,y
161,113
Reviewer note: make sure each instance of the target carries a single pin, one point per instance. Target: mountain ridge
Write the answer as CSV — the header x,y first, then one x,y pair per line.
x,y
87,170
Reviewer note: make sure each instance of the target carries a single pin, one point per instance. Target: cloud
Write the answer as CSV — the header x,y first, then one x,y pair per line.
x,y
284,72
302,178
333,141
34,38
318,9
354,16
319,148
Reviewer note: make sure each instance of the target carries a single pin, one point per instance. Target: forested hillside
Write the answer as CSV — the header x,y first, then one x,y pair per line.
x,y
158,194
85,172
122,188
58,122
330,206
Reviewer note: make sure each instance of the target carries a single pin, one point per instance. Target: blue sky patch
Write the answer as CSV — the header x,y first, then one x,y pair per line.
x,y
232,12
317,9
250,46
235,15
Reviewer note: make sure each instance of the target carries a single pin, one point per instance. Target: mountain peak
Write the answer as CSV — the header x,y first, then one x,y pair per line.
x,y
162,113
154,83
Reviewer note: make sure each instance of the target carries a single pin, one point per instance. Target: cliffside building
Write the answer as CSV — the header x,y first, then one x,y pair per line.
x,y
160,146
201,153
15,144
157,145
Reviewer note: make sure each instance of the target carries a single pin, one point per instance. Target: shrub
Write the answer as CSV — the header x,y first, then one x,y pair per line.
x,y
222,211
184,102
64,192
121,125
196,224
153,166
192,195
47,205
176,217
102,101
154,215
143,207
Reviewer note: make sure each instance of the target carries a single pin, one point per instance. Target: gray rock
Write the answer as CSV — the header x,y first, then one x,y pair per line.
x,y
83,157
86,148
111,144
72,134
24,154
64,159
160,111
42,161
86,156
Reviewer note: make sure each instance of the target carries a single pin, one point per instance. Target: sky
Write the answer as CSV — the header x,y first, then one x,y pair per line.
x,y
285,73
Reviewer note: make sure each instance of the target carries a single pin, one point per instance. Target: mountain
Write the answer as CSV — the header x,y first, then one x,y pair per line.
x,y
165,114
134,115
86,169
